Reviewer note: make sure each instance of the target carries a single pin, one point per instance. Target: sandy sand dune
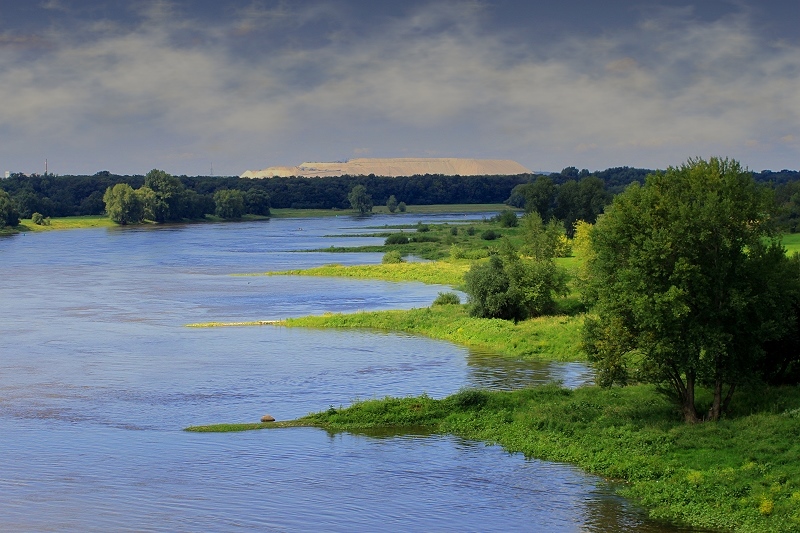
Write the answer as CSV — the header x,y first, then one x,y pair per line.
x,y
401,166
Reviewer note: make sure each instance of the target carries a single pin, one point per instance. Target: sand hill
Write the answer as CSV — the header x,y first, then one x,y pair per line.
x,y
393,167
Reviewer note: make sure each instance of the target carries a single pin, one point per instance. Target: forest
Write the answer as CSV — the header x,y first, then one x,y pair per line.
x,y
569,195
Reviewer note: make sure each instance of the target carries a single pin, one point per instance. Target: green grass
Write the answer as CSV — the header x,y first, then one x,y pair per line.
x,y
440,273
382,209
551,338
792,243
92,221
740,474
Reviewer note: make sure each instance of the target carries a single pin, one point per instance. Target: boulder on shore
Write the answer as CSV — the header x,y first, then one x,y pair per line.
x,y
267,418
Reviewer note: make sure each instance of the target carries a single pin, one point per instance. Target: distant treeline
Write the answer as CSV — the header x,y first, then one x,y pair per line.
x,y
58,196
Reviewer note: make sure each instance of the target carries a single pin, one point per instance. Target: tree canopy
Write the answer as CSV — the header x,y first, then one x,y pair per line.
x,y
123,204
360,200
689,284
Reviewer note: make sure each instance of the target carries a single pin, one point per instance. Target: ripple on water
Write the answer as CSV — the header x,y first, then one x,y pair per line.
x,y
98,375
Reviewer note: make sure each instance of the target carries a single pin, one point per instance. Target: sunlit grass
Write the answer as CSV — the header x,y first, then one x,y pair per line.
x,y
91,221
438,273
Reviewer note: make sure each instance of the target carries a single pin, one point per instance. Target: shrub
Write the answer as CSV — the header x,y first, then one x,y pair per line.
x,y
37,219
507,219
423,238
469,398
392,256
396,238
489,235
423,228
470,231
513,289
454,231
401,207
457,252
447,298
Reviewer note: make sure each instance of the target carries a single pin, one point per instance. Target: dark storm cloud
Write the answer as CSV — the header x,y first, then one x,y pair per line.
x,y
135,85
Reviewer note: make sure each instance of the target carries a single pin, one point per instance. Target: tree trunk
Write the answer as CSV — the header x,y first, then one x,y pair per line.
x,y
687,401
728,397
716,404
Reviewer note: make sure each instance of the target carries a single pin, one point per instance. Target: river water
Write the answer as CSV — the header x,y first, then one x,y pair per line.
x,y
98,376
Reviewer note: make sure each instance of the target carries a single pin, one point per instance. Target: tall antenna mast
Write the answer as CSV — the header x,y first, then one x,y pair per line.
x,y
45,167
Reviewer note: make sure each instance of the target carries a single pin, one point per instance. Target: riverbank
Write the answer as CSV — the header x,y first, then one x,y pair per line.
x,y
740,474
102,221
549,338
434,209
437,273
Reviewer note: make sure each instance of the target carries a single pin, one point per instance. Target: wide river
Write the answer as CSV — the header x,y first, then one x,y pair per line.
x,y
98,377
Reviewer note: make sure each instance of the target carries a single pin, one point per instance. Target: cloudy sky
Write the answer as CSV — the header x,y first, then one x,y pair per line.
x,y
182,85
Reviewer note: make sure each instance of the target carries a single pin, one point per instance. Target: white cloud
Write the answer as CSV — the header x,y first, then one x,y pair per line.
x,y
434,81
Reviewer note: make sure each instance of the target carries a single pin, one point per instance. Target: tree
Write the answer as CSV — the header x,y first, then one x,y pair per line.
x,y
257,202
391,204
8,213
123,204
168,195
688,284
360,200
512,288
544,241
229,203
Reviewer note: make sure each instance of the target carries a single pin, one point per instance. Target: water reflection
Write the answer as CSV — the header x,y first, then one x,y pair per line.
x,y
488,371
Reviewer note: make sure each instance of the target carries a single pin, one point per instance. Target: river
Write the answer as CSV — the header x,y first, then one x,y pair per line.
x,y
98,376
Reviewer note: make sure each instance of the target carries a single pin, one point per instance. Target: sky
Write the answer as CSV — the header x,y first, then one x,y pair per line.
x,y
208,87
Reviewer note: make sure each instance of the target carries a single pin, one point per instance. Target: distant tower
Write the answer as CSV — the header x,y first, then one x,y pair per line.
x,y
45,167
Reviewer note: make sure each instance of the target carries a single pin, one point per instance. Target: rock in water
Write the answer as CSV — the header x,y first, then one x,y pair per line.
x,y
267,418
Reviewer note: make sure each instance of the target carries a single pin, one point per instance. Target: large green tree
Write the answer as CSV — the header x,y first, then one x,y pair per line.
x,y
123,204
688,283
167,202
360,200
8,213
229,203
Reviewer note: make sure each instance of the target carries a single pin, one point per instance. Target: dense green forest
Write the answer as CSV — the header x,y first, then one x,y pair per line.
x,y
568,195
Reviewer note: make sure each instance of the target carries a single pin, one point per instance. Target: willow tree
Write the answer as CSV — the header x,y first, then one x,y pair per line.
x,y
123,204
688,284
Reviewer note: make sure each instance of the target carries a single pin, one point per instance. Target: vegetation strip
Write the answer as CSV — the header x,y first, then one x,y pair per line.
x,y
544,338
439,273
740,474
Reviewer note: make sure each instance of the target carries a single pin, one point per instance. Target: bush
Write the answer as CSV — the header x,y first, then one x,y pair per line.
x,y
470,231
457,252
454,231
447,298
489,235
401,207
396,238
507,219
423,228
423,238
392,256
37,219
513,289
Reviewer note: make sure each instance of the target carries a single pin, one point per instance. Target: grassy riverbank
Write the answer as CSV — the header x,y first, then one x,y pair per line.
x,y
60,223
552,338
440,273
383,210
741,474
